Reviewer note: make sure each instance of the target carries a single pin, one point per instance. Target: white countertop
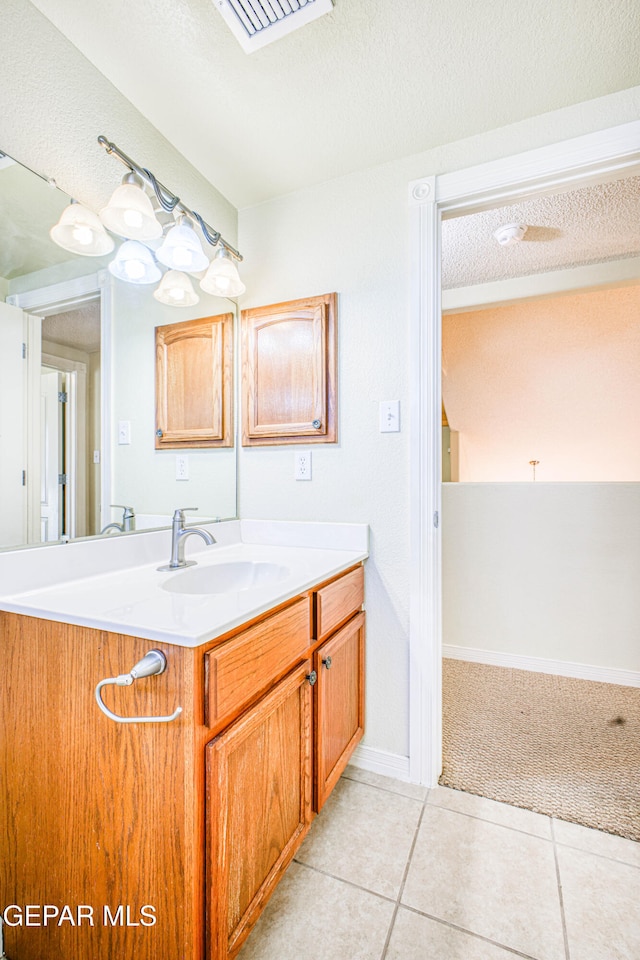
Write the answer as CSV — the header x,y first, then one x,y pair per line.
x,y
120,594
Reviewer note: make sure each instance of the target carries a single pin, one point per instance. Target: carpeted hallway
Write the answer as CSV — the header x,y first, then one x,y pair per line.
x,y
559,746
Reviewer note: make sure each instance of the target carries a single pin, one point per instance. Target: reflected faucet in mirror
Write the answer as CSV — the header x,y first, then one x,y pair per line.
x,y
128,522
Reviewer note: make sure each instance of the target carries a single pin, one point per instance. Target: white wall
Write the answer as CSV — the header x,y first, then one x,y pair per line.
x,y
351,235
53,106
143,476
554,380
546,570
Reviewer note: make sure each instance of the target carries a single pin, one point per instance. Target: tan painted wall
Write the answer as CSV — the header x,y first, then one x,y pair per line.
x,y
555,380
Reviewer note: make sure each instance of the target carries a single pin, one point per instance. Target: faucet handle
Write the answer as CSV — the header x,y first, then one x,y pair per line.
x,y
127,511
179,514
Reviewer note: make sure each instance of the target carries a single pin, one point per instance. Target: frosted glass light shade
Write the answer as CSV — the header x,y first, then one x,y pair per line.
x,y
182,250
222,278
79,231
134,263
176,289
129,212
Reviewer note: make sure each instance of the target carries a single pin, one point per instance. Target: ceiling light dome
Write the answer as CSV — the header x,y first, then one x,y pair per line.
x,y
79,231
176,290
134,263
222,278
129,212
182,250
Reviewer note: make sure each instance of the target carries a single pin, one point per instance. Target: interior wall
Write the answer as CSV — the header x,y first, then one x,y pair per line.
x,y
351,235
553,380
55,104
545,570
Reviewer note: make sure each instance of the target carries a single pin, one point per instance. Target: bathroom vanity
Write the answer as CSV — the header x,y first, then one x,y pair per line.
x,y
165,837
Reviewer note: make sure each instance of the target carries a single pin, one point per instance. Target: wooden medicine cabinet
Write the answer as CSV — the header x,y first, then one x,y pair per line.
x,y
289,372
194,383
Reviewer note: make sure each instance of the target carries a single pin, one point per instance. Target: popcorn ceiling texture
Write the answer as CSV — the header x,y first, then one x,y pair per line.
x,y
584,226
55,104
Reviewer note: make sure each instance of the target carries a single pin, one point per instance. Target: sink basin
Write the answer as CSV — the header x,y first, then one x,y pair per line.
x,y
226,577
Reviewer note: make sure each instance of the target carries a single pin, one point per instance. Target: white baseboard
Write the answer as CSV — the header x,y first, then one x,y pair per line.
x,y
561,668
378,761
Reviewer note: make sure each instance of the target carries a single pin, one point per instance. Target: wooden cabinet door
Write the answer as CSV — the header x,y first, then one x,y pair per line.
x,y
258,798
339,705
194,372
289,372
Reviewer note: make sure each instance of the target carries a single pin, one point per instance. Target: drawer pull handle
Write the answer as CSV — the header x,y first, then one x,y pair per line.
x,y
312,677
151,665
316,424
327,662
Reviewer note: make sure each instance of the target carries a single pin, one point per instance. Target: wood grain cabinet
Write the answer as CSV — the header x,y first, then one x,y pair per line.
x,y
185,826
289,372
194,383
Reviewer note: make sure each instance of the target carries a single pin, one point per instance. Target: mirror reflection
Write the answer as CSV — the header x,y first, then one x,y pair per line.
x,y
77,388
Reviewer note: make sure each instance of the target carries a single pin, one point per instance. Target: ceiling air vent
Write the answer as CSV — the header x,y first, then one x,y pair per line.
x,y
254,23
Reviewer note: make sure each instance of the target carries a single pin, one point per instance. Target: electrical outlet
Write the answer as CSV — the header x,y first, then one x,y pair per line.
x,y
96,456
182,467
124,431
303,465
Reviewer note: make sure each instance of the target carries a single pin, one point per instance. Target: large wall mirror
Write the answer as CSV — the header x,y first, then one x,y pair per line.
x,y
77,389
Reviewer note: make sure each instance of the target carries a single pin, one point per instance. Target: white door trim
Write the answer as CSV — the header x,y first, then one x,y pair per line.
x,y
599,156
69,293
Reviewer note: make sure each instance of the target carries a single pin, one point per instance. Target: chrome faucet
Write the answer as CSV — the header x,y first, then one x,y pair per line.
x,y
179,534
128,523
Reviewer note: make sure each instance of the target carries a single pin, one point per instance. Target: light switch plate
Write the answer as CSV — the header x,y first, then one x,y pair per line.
x,y
389,416
124,431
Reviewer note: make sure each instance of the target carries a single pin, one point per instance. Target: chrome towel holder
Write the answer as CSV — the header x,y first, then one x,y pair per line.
x,y
151,665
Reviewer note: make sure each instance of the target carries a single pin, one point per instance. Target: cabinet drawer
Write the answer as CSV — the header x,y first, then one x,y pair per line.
x,y
336,602
240,670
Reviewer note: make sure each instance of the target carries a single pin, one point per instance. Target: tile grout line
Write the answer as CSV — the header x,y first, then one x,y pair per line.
x,y
470,933
405,874
561,898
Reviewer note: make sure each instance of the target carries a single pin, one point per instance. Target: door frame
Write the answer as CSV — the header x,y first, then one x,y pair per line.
x,y
582,161
66,295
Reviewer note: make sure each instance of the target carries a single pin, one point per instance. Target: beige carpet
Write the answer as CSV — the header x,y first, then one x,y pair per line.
x,y
564,747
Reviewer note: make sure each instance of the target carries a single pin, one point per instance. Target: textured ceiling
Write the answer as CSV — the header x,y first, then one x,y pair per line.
x,y
79,328
570,229
372,81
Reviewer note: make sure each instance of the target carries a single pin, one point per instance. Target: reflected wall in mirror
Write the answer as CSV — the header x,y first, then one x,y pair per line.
x,y
77,389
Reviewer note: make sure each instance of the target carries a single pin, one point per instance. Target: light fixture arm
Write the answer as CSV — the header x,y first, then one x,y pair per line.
x,y
168,200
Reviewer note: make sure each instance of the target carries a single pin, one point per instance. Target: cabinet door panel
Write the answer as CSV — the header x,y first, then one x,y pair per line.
x,y
193,383
339,721
289,372
258,807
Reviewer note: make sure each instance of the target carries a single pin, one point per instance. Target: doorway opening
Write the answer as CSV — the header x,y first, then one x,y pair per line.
x,y
606,155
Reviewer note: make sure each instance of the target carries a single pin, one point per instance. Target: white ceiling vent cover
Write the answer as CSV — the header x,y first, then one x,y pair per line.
x,y
254,23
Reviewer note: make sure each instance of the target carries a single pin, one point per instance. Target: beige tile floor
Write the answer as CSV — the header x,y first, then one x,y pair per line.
x,y
390,871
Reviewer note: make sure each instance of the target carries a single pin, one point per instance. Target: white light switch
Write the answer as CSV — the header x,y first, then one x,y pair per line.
x,y
389,416
124,431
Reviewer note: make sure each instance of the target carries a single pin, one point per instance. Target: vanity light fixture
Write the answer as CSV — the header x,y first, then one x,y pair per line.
x,y
134,262
176,290
222,278
130,214
181,249
79,230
